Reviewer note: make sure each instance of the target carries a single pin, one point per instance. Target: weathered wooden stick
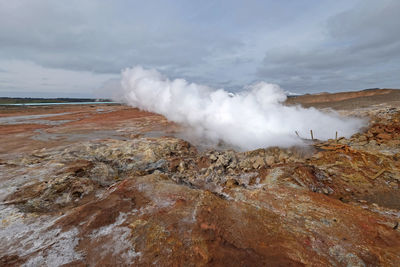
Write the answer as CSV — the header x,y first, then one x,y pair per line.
x,y
312,136
336,137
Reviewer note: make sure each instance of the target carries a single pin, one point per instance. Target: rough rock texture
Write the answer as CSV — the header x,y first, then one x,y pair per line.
x,y
160,201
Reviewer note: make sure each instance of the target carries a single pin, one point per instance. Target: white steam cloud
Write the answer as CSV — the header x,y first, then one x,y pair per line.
x,y
251,119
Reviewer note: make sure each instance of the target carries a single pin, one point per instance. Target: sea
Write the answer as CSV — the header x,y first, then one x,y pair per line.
x,y
65,103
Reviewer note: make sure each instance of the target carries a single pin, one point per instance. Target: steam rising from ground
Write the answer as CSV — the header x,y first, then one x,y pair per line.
x,y
251,119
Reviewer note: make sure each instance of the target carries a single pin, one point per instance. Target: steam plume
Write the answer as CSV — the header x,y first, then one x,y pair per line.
x,y
251,119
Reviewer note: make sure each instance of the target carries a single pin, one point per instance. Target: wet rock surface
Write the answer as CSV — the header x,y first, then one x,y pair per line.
x,y
139,201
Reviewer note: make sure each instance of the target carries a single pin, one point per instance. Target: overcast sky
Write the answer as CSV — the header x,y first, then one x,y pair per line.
x,y
79,47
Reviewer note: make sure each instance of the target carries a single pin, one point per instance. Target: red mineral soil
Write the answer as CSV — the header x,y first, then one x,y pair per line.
x,y
25,128
110,185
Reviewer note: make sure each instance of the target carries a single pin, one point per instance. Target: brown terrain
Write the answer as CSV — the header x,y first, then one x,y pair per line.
x,y
110,185
350,100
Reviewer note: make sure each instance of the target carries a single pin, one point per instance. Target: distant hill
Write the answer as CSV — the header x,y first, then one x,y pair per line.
x,y
349,100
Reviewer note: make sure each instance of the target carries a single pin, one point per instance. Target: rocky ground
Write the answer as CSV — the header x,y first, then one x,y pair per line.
x,y
103,186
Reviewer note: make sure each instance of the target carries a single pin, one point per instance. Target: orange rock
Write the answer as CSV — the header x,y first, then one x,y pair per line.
x,y
384,136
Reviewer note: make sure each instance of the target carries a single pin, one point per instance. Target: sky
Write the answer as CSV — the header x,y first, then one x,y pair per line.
x,y
78,48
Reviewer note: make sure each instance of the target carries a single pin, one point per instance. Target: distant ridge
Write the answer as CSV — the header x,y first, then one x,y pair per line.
x,y
332,97
349,100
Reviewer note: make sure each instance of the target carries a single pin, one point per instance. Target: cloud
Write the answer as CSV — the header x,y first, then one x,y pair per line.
x,y
329,45
25,77
359,43
368,23
106,37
